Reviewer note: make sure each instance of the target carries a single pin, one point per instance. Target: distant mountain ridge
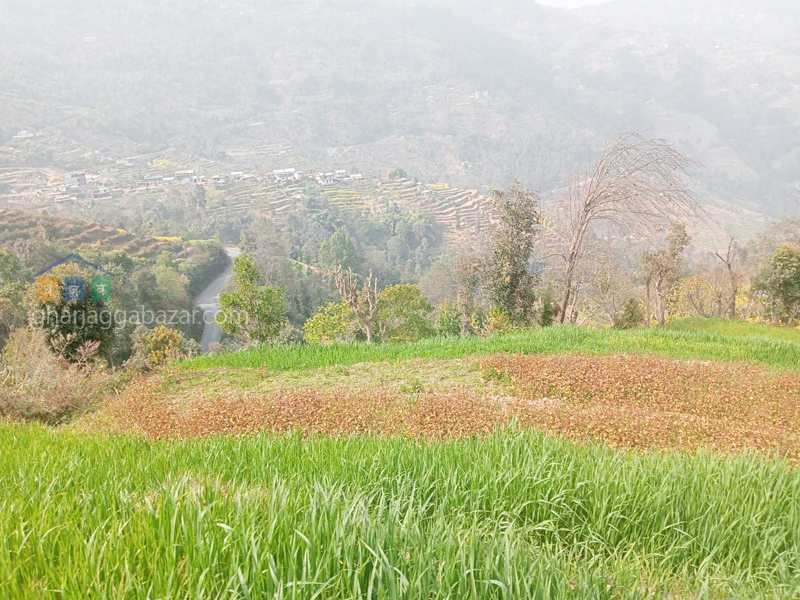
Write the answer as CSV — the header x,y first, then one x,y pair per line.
x,y
470,93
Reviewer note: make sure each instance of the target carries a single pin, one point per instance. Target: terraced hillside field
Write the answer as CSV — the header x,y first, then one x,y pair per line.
x,y
21,225
558,463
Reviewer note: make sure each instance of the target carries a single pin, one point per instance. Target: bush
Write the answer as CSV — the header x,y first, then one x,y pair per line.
x,y
37,384
72,324
158,347
499,321
631,316
164,344
448,323
547,317
333,324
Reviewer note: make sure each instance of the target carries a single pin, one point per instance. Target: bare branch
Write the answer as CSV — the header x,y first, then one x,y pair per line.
x,y
636,185
364,302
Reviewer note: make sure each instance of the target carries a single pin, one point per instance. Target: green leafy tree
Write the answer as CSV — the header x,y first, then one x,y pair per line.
x,y
663,269
508,283
341,250
780,280
254,313
335,323
404,315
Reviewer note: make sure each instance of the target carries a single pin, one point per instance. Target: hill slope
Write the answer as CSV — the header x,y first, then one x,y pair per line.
x,y
471,93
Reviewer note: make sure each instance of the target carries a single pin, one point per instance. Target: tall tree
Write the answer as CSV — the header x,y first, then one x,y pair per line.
x,y
340,250
253,312
468,272
637,184
508,283
663,268
780,279
404,315
731,260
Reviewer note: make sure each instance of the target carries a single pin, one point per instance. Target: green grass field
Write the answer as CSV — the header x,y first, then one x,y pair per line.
x,y
682,341
515,515
739,329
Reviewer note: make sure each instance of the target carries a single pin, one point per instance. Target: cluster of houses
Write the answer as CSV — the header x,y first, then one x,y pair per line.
x,y
279,176
284,176
78,186
159,180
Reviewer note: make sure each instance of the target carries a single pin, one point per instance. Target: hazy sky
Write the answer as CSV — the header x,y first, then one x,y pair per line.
x,y
570,3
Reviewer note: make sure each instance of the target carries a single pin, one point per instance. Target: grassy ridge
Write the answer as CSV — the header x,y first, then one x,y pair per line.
x,y
513,515
671,343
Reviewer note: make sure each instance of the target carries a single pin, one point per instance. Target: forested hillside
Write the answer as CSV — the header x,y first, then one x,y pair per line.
x,y
474,94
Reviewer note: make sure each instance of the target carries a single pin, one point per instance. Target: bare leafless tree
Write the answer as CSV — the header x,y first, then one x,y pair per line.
x,y
364,302
637,185
731,261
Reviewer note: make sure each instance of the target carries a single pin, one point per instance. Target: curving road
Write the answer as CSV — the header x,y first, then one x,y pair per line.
x,y
208,302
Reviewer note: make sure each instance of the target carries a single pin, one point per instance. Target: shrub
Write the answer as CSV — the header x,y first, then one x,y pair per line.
x,y
164,344
631,316
36,384
159,346
499,321
448,322
333,324
77,323
547,316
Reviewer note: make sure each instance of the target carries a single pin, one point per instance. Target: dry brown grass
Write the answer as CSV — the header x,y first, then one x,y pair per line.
x,y
38,385
647,402
628,402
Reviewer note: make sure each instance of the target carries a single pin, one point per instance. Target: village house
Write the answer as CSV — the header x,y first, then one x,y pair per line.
x,y
286,175
75,179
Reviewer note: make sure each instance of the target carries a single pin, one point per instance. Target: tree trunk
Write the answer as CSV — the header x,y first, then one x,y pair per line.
x,y
568,275
573,312
732,307
661,305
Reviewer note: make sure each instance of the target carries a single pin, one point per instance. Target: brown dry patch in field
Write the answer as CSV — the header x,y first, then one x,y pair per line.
x,y
143,410
629,402
646,402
